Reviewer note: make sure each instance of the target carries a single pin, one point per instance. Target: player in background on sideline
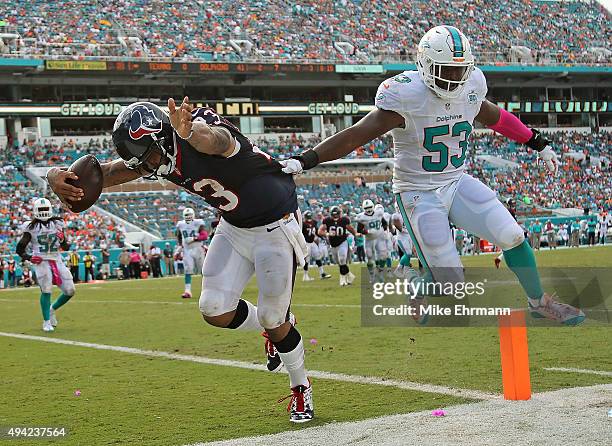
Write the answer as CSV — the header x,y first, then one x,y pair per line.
x,y
45,234
188,234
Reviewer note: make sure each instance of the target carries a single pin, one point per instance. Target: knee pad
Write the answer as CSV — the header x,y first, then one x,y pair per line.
x,y
214,303
270,316
68,290
434,231
510,237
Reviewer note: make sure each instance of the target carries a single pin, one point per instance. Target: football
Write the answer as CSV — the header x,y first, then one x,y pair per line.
x,y
89,171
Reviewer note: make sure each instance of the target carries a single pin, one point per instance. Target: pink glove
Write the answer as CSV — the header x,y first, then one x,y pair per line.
x,y
36,260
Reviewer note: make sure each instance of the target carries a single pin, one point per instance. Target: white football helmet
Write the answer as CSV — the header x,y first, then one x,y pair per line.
x,y
368,207
188,215
42,209
444,47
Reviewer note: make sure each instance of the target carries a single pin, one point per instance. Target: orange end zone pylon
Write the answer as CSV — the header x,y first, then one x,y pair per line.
x,y
514,356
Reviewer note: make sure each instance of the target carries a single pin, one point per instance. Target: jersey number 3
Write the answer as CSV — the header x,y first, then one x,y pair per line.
x,y
429,165
216,194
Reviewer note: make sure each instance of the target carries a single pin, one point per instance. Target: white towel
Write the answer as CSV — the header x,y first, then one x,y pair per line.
x,y
293,231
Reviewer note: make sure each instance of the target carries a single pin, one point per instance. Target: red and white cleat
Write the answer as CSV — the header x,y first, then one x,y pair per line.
x,y
186,295
300,408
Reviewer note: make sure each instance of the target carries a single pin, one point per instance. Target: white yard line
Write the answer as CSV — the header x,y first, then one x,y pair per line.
x,y
576,416
406,385
573,370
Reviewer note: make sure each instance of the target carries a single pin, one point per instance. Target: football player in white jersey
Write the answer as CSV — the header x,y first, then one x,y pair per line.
x,y
404,244
431,113
45,235
388,236
372,224
188,235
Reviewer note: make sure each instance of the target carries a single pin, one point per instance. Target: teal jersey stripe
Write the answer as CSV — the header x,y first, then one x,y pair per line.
x,y
413,236
458,45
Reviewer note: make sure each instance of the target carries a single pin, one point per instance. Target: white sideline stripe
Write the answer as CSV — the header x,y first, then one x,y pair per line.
x,y
573,370
356,379
559,415
152,302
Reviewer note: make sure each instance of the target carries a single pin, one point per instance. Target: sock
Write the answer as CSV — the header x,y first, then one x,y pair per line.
x,y
45,305
405,260
344,269
370,266
245,317
291,352
61,300
305,266
388,262
521,261
188,282
321,270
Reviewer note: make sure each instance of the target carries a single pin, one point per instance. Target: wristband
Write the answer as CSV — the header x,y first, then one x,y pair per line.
x,y
309,159
537,141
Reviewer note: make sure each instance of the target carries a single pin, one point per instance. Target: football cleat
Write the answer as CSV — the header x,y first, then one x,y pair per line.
x,y
343,281
186,295
47,326
52,317
306,278
549,308
300,408
350,277
399,272
325,276
273,359
497,262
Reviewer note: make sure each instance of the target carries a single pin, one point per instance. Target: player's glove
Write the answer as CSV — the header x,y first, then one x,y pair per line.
x,y
297,164
550,158
36,260
291,166
545,151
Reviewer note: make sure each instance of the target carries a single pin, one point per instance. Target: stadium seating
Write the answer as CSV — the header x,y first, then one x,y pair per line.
x,y
580,183
305,30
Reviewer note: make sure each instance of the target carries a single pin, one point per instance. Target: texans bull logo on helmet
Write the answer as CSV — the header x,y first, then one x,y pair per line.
x,y
144,122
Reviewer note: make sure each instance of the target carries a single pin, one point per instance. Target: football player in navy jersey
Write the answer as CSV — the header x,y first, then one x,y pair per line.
x,y
309,230
336,228
259,231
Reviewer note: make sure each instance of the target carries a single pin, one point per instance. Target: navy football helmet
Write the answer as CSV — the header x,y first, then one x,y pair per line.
x,y
335,212
139,130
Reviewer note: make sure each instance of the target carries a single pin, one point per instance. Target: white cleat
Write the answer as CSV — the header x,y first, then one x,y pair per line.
x,y
343,281
399,272
52,317
550,308
350,277
307,278
47,326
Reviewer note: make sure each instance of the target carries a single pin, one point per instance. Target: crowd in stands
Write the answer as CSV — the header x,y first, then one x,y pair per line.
x,y
86,231
47,152
294,144
303,29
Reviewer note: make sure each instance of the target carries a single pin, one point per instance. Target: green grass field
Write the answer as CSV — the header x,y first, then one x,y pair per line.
x,y
139,400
